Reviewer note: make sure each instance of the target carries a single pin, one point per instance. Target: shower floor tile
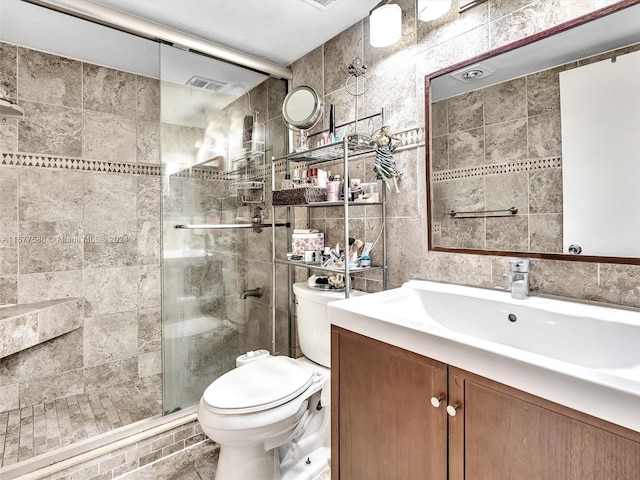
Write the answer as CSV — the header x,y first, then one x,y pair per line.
x,y
31,431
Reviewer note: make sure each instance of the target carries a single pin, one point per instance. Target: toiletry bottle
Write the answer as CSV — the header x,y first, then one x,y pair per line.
x,y
332,123
338,178
333,191
287,183
295,181
326,254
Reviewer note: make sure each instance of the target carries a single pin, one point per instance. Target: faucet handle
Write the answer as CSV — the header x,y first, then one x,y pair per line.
x,y
519,266
519,289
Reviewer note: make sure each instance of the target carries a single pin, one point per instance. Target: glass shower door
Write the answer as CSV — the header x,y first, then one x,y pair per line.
x,y
214,115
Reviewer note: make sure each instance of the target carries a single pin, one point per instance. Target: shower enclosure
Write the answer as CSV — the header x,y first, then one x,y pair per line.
x,y
218,137
134,317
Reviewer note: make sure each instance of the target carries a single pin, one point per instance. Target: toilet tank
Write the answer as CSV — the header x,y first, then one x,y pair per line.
x,y
314,328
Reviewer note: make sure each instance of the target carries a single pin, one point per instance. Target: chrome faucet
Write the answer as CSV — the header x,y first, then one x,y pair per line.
x,y
256,292
517,280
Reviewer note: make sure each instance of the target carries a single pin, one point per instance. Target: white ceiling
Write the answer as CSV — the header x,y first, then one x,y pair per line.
x,y
280,31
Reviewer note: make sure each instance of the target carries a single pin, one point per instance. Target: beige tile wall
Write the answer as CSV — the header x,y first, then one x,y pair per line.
x,y
515,123
505,123
78,110
396,81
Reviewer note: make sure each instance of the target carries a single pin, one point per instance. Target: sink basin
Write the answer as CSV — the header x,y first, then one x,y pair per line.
x,y
573,353
588,335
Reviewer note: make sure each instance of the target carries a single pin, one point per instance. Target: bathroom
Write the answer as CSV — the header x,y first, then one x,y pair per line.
x,y
127,285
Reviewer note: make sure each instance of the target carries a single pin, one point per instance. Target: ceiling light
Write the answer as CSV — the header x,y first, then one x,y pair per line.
x,y
385,25
474,72
429,10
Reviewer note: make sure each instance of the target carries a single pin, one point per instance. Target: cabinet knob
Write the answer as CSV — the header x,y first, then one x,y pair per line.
x,y
436,401
452,410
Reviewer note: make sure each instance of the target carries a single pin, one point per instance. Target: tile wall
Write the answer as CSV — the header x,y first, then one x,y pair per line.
x,y
80,217
71,230
493,156
505,124
396,81
80,202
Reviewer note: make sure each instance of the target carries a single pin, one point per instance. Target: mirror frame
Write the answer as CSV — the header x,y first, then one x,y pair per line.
x,y
506,48
312,119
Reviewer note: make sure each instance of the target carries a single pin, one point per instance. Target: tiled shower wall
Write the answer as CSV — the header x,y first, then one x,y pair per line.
x,y
77,228
81,172
80,193
396,81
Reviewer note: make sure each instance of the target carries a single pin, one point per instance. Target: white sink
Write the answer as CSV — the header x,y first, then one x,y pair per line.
x,y
580,355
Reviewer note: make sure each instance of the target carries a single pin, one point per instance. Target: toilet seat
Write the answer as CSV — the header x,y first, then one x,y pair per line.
x,y
258,386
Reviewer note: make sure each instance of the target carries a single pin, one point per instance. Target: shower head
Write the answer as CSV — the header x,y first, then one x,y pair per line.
x,y
10,110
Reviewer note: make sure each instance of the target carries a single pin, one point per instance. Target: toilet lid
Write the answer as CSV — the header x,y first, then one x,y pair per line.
x,y
259,385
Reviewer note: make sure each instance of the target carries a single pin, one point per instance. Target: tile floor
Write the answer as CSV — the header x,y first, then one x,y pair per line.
x,y
31,431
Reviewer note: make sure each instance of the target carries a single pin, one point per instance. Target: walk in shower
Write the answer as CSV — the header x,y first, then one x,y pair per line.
x,y
111,315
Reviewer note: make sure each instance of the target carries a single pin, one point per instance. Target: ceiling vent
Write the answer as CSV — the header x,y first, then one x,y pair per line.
x,y
474,72
321,4
206,83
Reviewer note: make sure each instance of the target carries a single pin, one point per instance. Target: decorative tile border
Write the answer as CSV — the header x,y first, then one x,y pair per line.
x,y
252,173
409,138
482,170
68,163
84,165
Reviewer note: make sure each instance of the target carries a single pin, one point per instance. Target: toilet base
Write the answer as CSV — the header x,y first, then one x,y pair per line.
x,y
318,461
233,464
250,462
302,458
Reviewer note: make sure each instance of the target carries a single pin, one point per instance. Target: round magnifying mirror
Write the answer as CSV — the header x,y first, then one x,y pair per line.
x,y
302,108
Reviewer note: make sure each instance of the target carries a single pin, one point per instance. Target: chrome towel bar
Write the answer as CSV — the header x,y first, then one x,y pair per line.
x,y
485,213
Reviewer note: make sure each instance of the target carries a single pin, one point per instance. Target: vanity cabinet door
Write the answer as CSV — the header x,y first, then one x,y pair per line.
x,y
384,426
522,437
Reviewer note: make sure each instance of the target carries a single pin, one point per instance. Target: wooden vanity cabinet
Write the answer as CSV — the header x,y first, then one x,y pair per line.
x,y
512,435
384,426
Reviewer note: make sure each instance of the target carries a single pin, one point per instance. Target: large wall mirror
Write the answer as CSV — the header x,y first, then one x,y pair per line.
x,y
535,147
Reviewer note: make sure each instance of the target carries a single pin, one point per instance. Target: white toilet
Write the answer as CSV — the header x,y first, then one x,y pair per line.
x,y
271,416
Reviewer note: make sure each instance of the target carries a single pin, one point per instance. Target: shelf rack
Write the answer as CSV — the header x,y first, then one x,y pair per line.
x,y
351,145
